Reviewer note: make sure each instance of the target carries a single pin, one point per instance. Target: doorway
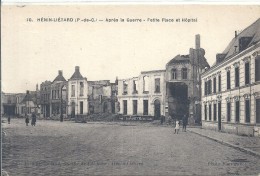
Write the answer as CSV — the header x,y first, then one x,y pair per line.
x,y
219,115
157,109
178,103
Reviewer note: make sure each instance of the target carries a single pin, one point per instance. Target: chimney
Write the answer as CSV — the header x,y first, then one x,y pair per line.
x,y
235,34
197,41
27,91
77,69
37,87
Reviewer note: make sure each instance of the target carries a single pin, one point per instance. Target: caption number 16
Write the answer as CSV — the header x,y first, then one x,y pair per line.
x,y
29,20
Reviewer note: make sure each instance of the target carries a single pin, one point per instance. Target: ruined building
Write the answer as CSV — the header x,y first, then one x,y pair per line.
x,y
183,83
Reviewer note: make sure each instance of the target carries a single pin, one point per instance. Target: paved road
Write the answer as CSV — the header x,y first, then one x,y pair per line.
x,y
55,148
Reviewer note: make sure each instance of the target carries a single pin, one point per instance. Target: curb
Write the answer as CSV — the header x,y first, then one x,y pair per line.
x,y
251,152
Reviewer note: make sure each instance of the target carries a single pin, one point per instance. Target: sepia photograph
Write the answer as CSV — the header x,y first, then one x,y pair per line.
x,y
130,89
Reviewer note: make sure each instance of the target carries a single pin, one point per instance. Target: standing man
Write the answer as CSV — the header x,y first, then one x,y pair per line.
x,y
9,119
184,122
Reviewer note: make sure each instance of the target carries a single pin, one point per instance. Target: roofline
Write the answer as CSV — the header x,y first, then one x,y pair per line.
x,y
153,71
231,58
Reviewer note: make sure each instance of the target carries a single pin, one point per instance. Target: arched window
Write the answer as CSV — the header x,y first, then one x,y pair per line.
x,y
184,73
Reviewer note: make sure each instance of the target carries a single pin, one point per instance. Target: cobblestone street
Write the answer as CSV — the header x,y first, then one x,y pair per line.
x,y
116,148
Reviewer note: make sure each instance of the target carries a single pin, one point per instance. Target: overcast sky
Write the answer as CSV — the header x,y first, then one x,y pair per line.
x,y
33,52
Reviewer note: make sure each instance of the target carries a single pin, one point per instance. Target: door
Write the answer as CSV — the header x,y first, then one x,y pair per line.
x,y
219,115
81,107
72,109
257,111
157,109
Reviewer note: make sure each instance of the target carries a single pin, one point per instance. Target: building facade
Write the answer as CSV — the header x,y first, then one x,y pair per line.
x,y
45,94
183,84
142,97
20,107
100,97
77,95
231,87
58,93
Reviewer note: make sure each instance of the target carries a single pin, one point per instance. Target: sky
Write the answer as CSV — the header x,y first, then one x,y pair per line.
x,y
33,52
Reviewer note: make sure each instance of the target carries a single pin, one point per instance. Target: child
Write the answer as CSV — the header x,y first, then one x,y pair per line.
x,y
177,127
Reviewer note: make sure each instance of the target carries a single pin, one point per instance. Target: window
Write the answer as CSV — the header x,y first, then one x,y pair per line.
x,y
125,107
219,111
257,101
206,88
157,85
247,110
73,90
215,112
209,87
210,112
52,94
237,111
237,77
100,98
184,73
219,83
135,86
174,73
125,84
205,112
81,91
145,107
228,111
247,73
228,80
257,68
145,84
58,94
134,107
214,85
81,107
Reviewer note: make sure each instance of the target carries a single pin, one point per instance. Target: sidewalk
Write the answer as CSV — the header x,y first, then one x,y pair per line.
x,y
246,144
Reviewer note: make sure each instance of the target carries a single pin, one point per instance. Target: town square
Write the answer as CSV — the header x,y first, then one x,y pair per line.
x,y
146,92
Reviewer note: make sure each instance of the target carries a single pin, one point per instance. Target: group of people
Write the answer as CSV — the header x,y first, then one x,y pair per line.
x,y
184,124
33,122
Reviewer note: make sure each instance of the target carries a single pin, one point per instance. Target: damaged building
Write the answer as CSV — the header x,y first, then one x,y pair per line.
x,y
183,84
142,97
101,97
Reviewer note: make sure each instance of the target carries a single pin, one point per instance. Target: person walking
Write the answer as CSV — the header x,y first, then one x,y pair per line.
x,y
177,127
184,122
33,119
27,120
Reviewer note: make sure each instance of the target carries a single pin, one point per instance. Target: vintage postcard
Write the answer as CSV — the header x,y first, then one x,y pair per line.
x,y
130,89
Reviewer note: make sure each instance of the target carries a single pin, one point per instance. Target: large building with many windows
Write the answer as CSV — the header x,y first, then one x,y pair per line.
x,y
231,87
